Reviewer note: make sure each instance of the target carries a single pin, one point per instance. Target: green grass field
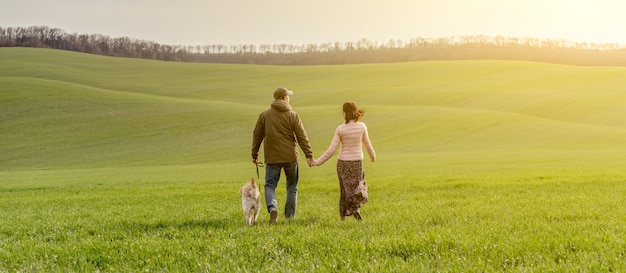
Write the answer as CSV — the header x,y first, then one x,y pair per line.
x,y
126,165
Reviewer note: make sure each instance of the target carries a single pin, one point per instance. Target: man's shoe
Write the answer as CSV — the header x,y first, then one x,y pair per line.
x,y
273,216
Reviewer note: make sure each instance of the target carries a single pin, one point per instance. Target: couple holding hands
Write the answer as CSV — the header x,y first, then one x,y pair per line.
x,y
282,132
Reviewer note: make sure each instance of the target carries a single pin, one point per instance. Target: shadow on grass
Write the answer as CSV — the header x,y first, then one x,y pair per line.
x,y
166,224
220,223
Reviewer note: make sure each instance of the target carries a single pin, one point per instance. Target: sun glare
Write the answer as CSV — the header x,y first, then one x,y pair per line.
x,y
577,21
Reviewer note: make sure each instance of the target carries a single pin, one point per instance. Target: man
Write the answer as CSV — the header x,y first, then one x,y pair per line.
x,y
283,132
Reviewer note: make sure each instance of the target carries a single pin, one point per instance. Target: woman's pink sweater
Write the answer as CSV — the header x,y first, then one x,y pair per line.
x,y
352,137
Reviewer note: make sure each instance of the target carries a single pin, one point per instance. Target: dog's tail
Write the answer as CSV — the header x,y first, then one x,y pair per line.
x,y
252,182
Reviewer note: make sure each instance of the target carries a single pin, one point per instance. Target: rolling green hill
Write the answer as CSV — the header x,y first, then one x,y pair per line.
x,y
125,165
69,110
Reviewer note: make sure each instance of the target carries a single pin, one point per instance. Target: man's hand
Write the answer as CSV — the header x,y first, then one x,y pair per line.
x,y
310,161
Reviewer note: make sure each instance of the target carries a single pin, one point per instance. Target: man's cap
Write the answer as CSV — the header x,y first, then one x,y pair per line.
x,y
281,92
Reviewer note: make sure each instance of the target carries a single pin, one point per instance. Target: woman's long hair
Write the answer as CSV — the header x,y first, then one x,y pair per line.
x,y
352,111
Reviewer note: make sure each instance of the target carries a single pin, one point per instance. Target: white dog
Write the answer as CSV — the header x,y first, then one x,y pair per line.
x,y
250,201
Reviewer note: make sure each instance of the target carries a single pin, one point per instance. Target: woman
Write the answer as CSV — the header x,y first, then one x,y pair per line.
x,y
352,135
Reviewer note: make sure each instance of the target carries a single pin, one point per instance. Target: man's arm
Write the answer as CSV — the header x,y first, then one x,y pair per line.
x,y
257,138
302,138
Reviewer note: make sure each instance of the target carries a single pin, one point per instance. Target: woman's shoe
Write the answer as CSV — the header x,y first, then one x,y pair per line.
x,y
357,215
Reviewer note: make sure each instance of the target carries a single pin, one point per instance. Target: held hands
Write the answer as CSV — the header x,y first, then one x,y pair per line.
x,y
311,162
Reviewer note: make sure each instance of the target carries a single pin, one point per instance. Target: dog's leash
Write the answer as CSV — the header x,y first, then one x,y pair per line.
x,y
259,164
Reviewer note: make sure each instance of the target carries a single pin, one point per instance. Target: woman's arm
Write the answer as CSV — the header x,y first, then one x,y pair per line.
x,y
368,144
334,144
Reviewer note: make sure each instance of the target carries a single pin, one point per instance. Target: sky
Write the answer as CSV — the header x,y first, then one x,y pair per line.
x,y
234,22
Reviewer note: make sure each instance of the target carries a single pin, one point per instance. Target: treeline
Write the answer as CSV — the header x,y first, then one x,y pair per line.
x,y
362,51
47,37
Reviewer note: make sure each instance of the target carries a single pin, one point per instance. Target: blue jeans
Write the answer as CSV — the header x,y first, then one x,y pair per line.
x,y
272,176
